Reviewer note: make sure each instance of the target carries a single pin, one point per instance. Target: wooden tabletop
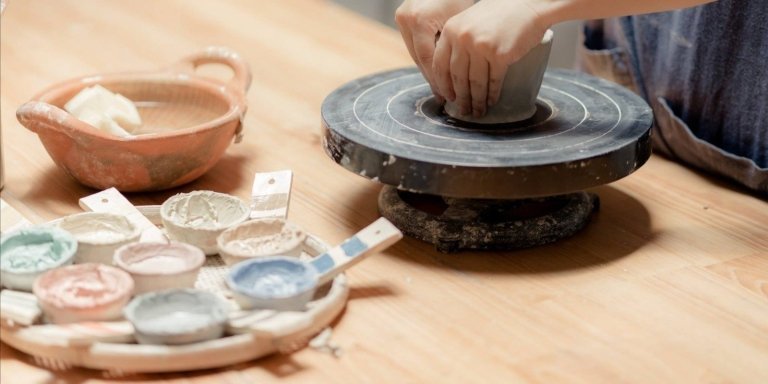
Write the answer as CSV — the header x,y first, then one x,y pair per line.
x,y
669,282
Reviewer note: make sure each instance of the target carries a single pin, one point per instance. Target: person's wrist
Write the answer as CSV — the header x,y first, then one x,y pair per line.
x,y
548,12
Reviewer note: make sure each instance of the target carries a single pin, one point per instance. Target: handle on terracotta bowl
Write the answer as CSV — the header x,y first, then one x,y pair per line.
x,y
219,55
38,116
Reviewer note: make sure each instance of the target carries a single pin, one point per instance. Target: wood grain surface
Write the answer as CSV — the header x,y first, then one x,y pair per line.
x,y
669,283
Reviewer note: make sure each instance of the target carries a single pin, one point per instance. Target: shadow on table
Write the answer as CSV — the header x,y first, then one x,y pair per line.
x,y
619,228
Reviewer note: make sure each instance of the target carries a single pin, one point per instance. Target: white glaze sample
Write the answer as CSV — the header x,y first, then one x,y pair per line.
x,y
519,90
158,266
199,217
260,238
111,200
203,209
99,235
28,252
157,263
83,292
177,316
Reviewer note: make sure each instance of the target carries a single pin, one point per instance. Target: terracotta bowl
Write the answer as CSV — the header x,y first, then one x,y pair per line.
x,y
188,121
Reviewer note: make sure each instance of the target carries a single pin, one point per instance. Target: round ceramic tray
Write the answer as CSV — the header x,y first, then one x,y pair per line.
x,y
111,345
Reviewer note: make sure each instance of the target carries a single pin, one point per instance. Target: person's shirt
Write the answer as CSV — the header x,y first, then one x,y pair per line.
x,y
704,71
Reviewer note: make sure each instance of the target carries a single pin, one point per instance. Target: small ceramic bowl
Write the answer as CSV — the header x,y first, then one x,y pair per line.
x,y
260,238
288,283
199,217
83,292
276,282
160,266
99,234
27,253
188,121
177,316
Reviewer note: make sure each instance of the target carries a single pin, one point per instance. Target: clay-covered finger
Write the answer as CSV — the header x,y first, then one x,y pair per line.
x,y
460,79
441,69
496,74
478,84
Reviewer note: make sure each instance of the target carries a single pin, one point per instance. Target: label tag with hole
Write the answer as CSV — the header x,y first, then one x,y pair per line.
x,y
270,194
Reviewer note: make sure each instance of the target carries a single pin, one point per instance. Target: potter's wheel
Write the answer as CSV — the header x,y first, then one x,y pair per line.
x,y
586,132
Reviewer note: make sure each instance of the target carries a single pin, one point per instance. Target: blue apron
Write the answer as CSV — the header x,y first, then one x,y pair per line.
x,y
704,71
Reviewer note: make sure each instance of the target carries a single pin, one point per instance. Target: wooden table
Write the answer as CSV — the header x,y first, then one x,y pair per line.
x,y
669,283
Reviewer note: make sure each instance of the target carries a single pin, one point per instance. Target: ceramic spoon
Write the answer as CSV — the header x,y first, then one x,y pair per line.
x,y
289,283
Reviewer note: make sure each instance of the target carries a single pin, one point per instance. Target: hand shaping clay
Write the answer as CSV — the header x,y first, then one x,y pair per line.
x,y
519,91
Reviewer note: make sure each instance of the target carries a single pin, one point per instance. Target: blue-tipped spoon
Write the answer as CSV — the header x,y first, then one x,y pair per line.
x,y
288,283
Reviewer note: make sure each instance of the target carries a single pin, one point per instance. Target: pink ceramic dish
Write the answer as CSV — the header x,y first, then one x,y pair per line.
x,y
188,121
83,292
160,266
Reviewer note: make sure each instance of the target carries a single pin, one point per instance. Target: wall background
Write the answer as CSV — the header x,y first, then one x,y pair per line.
x,y
563,49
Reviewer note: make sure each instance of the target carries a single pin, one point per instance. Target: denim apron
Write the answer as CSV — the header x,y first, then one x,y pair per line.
x,y
704,71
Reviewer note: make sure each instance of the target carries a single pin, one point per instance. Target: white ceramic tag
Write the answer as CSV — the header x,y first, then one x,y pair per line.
x,y
19,307
270,194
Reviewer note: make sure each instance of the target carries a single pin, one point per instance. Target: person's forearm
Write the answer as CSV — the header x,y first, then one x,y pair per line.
x,y
555,11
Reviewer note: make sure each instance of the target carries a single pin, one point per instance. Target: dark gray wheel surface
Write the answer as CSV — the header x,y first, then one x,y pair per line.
x,y
586,132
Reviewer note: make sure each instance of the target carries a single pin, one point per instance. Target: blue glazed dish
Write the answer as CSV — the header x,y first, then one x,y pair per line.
x,y
279,282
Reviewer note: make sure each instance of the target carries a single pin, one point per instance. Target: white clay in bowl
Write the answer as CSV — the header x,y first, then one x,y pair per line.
x,y
260,238
83,292
199,217
99,234
159,266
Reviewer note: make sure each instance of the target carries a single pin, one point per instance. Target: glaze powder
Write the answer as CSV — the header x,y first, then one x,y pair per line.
x,y
35,249
83,285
